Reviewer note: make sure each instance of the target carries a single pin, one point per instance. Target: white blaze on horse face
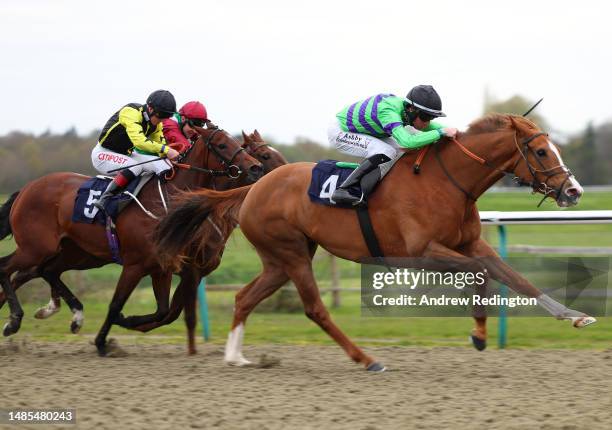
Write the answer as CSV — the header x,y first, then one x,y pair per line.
x,y
573,183
233,347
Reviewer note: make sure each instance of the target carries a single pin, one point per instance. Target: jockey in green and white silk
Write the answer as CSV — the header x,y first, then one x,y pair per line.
x,y
375,128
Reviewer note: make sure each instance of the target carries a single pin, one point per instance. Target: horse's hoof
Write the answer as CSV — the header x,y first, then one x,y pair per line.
x,y
75,327
101,347
238,361
583,321
45,312
376,367
479,344
11,327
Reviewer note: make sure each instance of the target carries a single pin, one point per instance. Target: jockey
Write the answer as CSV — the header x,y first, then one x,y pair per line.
x,y
133,135
377,127
179,129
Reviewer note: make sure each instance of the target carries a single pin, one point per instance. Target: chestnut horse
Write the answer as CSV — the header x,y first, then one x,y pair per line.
x,y
73,258
431,215
47,240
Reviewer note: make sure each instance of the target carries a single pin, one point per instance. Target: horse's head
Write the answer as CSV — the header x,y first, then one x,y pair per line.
x,y
268,156
229,154
539,164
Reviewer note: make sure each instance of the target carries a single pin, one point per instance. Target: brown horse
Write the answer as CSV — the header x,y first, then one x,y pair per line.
x,y
430,215
185,293
73,258
40,220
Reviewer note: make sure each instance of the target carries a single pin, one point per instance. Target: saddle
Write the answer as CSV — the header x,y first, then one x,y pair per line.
x,y
328,174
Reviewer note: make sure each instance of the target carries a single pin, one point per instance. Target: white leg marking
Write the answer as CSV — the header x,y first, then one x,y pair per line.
x,y
233,347
47,311
77,318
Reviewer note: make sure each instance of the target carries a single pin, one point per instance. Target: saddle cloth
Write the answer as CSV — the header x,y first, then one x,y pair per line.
x,y
327,175
84,210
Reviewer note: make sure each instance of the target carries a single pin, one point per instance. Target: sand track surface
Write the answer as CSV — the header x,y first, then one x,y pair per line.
x,y
313,387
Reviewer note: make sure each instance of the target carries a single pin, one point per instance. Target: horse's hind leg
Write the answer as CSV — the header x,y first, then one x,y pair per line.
x,y
264,285
58,288
12,326
300,271
19,278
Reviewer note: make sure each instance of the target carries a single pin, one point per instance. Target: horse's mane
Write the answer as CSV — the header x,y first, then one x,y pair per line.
x,y
496,121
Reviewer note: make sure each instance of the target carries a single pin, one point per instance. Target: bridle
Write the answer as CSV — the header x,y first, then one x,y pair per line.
x,y
230,169
536,186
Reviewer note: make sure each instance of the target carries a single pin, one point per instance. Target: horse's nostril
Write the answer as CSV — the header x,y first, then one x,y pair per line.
x,y
572,192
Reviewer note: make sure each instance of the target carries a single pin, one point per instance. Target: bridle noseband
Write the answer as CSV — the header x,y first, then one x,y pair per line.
x,y
548,173
233,171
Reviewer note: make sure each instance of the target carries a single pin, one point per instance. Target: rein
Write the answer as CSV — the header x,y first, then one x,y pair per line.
x,y
541,186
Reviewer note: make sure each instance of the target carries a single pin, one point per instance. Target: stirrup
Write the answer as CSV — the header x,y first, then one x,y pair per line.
x,y
354,203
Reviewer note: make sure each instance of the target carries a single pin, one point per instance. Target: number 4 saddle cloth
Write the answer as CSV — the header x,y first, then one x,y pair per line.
x,y
327,175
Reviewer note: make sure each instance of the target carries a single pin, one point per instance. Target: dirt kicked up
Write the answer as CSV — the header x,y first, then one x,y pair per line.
x,y
153,387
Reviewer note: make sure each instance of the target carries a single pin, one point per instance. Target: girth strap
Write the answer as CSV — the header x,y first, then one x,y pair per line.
x,y
367,230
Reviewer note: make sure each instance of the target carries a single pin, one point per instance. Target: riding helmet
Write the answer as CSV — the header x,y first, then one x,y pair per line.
x,y
194,110
162,102
426,99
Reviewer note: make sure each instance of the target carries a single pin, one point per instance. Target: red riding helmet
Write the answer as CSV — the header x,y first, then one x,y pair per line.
x,y
194,110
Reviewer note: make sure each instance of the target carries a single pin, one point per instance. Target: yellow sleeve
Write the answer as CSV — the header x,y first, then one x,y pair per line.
x,y
131,119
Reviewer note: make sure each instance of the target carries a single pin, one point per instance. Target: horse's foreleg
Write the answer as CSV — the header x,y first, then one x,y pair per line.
x,y
502,272
130,276
457,261
161,289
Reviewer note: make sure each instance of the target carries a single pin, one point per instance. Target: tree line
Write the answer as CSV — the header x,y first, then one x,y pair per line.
x,y
26,156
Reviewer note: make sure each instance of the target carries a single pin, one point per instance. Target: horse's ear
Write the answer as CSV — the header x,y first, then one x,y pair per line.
x,y
257,135
513,122
245,138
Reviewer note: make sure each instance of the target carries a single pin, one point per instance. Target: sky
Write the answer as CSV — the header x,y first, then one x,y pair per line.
x,y
286,68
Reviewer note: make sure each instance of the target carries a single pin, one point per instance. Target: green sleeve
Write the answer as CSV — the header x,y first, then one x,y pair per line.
x,y
414,141
434,126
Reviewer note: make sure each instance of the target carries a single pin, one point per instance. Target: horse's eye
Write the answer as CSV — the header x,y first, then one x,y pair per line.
x,y
222,146
266,156
541,152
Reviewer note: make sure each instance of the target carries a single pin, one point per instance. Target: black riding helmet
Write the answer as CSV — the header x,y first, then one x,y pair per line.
x,y
425,100
162,102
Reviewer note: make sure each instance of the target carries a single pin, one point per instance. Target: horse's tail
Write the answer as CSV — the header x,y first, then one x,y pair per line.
x,y
5,212
199,217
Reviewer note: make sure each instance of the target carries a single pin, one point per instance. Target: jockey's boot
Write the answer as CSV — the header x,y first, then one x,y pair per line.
x,y
341,194
116,186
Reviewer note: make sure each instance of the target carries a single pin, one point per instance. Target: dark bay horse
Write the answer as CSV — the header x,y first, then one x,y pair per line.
x,y
430,215
73,258
48,241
